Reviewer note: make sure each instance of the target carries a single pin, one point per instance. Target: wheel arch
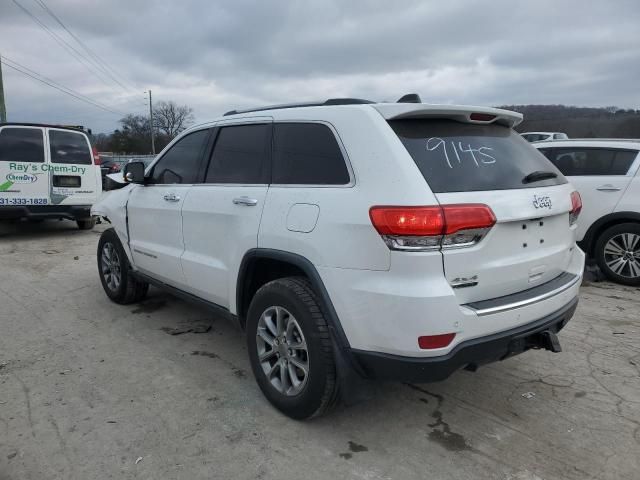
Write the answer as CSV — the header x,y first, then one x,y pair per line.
x,y
588,243
291,264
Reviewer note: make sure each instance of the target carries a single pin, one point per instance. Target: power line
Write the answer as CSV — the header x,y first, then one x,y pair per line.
x,y
105,67
47,81
73,51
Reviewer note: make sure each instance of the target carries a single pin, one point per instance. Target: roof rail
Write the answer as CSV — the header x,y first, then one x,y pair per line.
x,y
46,125
331,101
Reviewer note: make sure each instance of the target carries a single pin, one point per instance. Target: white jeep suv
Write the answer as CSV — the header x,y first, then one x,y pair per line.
x,y
354,240
605,172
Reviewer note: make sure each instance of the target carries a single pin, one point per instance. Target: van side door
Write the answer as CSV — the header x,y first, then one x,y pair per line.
x,y
24,179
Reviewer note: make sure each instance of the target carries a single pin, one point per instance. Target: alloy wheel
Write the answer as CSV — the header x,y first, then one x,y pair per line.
x,y
622,255
110,261
282,351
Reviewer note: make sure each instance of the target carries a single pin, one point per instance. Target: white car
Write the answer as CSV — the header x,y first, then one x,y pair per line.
x,y
48,171
605,172
352,240
543,136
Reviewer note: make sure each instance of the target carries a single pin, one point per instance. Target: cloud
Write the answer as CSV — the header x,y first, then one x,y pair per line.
x,y
215,56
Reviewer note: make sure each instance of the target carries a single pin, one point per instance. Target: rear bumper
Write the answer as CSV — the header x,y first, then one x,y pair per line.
x,y
71,212
471,353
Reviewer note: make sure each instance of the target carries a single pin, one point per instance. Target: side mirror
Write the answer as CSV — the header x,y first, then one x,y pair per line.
x,y
134,172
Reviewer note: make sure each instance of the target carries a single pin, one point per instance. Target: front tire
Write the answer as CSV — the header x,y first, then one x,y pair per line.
x,y
290,348
86,223
617,252
115,271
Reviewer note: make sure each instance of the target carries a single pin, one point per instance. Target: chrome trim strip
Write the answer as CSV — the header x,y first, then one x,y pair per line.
x,y
522,303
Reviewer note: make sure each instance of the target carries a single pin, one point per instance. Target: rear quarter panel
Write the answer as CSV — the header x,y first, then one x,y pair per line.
x,y
383,173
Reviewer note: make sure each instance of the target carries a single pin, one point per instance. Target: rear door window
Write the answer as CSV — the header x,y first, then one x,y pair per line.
x,y
21,145
307,154
461,157
240,155
591,161
69,148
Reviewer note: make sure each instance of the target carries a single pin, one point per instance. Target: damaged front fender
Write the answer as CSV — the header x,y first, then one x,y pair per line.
x,y
113,208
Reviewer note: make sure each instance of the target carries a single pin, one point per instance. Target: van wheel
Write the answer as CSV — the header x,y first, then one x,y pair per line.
x,y
617,252
290,348
86,223
115,271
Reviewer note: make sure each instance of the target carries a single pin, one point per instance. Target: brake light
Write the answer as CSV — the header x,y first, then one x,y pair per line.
x,y
576,207
432,227
96,156
429,342
481,117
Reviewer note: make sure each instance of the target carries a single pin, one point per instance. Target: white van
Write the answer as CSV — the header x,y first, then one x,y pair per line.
x,y
48,171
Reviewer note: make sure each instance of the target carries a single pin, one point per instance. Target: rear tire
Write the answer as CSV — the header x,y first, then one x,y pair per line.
x,y
617,252
86,223
290,348
115,271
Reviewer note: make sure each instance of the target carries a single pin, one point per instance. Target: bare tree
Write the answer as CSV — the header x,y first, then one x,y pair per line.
x,y
170,118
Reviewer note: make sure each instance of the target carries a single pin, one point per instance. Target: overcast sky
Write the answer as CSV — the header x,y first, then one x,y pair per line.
x,y
218,55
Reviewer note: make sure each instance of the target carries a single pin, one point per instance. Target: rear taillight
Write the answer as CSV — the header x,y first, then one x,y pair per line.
x,y
96,156
576,207
433,227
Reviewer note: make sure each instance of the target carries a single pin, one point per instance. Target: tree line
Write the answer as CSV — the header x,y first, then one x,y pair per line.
x,y
134,134
579,122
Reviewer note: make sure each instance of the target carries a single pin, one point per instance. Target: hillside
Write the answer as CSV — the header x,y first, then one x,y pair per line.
x,y
579,122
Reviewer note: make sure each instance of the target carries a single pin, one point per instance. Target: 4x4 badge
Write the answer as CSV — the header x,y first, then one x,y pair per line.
x,y
542,202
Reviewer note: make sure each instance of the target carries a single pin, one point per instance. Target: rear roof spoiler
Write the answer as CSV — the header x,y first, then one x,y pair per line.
x,y
460,113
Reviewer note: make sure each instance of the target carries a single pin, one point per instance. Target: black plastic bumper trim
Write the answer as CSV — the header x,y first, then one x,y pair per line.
x,y
472,353
72,212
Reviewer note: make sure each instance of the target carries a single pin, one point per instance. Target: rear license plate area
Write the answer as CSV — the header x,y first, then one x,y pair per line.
x,y
533,233
67,181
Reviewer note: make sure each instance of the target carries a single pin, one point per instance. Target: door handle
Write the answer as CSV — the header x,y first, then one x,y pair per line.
x,y
608,188
171,197
249,202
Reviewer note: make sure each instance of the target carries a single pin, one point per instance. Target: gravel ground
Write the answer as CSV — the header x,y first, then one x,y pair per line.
x,y
92,390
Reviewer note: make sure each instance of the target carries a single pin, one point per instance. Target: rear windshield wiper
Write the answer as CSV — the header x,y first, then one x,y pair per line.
x,y
539,175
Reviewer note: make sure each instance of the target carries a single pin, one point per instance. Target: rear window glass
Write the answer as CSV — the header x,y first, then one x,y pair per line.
x,y
591,161
69,147
21,145
461,157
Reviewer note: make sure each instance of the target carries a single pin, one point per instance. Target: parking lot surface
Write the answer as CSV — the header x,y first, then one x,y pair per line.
x,y
91,390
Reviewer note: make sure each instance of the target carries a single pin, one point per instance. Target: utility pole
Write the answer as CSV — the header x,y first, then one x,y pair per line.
x,y
3,109
153,141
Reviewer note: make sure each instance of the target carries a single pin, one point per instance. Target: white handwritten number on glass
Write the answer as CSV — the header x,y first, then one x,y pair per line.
x,y
478,154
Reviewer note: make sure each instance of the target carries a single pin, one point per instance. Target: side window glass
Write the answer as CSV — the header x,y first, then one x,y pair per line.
x,y
592,161
240,155
307,154
180,164
21,145
69,148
